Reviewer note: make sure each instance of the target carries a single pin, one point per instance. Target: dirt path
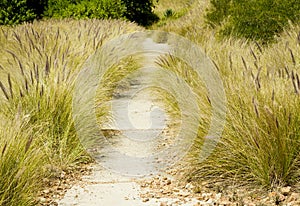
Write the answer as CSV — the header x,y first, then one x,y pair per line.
x,y
132,173
137,120
140,131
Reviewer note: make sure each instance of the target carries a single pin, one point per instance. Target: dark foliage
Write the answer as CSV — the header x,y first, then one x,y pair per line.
x,y
258,20
18,11
140,11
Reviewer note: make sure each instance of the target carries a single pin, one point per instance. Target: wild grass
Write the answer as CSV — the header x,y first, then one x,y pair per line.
x,y
260,144
170,10
176,5
110,85
21,163
191,18
184,71
39,64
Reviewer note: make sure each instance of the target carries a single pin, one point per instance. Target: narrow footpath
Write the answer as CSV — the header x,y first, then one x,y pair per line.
x,y
139,130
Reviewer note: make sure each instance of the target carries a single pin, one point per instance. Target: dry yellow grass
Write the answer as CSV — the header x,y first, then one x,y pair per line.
x,y
260,143
39,63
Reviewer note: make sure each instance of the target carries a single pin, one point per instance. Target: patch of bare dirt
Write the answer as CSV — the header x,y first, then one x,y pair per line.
x,y
57,184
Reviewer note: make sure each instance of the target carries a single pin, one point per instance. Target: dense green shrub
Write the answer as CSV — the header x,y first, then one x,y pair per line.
x,y
85,9
256,19
140,11
17,11
218,12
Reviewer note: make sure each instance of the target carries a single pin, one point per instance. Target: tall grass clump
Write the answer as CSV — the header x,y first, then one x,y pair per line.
x,y
184,71
39,64
260,144
260,141
21,162
112,83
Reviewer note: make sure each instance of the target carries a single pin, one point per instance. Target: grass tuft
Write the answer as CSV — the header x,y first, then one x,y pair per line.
x,y
260,144
39,66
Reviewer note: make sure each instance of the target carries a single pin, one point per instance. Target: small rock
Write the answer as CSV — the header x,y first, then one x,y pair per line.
x,y
60,188
291,204
208,194
273,194
145,199
63,174
199,198
224,203
189,186
218,196
43,200
210,202
279,198
163,204
168,182
175,189
285,190
282,198
183,193
46,191
293,197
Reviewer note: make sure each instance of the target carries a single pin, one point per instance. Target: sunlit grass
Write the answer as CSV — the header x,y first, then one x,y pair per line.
x,y
21,162
110,84
168,11
260,144
39,63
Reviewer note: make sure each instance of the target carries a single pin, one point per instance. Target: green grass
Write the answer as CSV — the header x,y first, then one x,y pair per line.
x,y
39,65
260,144
21,163
109,84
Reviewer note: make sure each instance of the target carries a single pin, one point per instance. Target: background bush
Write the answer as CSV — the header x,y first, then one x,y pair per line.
x,y
85,9
17,11
140,11
256,20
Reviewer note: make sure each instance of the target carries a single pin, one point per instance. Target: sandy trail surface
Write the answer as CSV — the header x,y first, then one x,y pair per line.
x,y
138,131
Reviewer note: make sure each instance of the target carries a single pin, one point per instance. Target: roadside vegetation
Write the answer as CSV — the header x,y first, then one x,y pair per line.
x,y
260,20
39,64
261,139
17,11
259,63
